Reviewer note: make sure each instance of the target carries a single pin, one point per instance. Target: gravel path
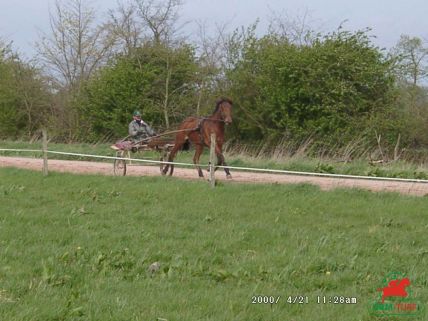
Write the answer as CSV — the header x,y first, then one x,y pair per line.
x,y
325,183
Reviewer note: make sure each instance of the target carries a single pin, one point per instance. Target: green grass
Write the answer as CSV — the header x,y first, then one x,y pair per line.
x,y
78,248
399,169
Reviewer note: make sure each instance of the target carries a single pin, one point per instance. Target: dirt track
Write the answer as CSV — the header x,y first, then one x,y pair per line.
x,y
325,183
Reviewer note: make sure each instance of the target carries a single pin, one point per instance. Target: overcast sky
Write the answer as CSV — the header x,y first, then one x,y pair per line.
x,y
20,19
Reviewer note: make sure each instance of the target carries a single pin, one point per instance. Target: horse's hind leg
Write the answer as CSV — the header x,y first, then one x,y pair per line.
x,y
198,151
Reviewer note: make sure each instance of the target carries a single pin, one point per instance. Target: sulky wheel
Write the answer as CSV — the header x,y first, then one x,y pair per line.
x,y
119,166
164,157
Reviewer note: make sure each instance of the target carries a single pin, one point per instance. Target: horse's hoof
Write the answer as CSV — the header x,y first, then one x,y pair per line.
x,y
229,176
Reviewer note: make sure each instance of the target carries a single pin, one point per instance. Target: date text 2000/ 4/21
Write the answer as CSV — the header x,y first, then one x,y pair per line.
x,y
270,299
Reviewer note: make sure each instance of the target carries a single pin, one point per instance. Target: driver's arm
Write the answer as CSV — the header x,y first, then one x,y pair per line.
x,y
132,130
148,129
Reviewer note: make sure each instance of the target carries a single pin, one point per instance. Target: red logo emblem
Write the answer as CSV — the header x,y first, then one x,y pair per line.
x,y
395,288
396,298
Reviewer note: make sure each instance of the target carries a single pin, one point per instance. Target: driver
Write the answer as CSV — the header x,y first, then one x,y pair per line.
x,y
138,129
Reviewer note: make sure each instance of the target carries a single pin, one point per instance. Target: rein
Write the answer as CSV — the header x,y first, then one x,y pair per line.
x,y
198,128
173,132
208,118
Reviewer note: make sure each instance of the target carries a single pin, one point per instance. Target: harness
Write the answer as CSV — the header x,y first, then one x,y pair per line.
x,y
199,129
200,124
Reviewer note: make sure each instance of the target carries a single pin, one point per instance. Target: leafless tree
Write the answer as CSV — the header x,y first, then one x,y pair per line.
x,y
212,54
296,29
412,55
124,26
75,46
134,22
33,94
160,17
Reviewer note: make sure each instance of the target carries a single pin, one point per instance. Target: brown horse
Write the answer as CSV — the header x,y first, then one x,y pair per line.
x,y
198,132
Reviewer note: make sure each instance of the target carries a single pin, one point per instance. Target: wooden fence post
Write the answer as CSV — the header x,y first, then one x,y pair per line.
x,y
45,151
212,159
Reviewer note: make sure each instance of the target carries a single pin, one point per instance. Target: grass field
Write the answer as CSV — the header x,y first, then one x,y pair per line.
x,y
79,248
236,157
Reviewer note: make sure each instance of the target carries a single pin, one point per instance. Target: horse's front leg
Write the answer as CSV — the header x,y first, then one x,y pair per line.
x,y
198,151
221,161
171,159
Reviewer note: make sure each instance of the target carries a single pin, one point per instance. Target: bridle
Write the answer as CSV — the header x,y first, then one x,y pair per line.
x,y
219,120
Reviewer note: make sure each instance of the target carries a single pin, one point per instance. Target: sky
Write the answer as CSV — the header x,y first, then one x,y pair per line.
x,y
22,20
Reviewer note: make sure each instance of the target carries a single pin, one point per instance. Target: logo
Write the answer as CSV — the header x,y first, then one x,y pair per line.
x,y
395,297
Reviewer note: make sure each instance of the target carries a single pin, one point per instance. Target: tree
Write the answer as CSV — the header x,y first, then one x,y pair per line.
x,y
412,56
160,17
34,96
125,27
155,78
75,47
212,56
24,98
10,120
296,30
332,88
70,54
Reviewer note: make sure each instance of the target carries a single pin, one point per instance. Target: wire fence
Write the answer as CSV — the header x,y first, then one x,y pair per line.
x,y
99,156
239,168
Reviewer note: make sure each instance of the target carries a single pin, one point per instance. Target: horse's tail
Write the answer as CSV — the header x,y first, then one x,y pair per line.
x,y
186,145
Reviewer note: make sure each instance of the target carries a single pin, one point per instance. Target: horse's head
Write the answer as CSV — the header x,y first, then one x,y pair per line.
x,y
224,107
405,282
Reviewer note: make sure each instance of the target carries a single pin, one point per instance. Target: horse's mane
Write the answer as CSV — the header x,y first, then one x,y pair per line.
x,y
220,101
